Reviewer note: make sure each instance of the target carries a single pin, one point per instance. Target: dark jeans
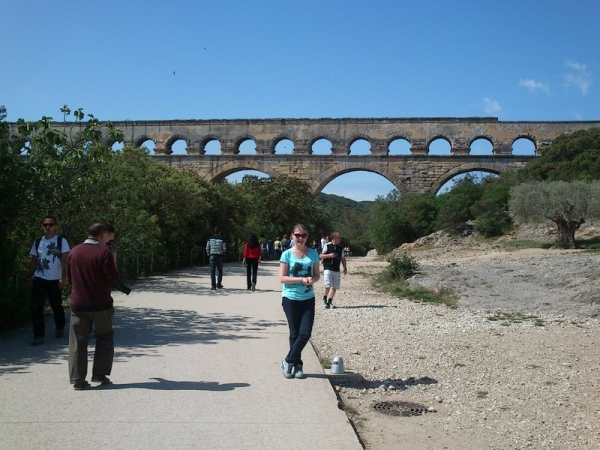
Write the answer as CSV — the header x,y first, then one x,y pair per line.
x,y
300,317
79,334
41,288
251,270
216,264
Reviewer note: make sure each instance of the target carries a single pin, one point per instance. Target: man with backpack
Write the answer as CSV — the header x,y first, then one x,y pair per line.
x,y
48,256
332,254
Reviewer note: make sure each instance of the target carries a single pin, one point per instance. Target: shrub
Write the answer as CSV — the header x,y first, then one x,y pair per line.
x,y
402,267
492,225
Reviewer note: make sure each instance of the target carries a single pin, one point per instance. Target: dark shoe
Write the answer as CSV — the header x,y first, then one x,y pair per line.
x,y
330,303
102,379
253,287
325,302
37,340
219,286
80,386
213,288
60,332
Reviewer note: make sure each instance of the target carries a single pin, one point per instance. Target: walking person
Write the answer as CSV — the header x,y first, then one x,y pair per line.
x,y
92,273
278,250
47,260
298,271
285,244
251,259
215,249
332,255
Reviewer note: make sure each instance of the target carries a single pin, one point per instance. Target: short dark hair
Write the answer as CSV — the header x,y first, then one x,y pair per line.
x,y
216,231
50,217
110,227
97,229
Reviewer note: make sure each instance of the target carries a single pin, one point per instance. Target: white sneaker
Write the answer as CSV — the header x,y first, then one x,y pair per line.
x,y
298,372
287,369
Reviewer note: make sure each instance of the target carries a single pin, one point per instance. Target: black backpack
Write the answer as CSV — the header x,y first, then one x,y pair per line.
x,y
60,239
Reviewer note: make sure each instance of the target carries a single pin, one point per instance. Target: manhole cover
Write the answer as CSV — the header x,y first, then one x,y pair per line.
x,y
397,408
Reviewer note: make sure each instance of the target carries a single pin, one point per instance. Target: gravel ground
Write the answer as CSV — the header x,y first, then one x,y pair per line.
x,y
528,378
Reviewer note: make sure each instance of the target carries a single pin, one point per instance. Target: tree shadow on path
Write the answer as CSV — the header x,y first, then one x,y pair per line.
x,y
137,332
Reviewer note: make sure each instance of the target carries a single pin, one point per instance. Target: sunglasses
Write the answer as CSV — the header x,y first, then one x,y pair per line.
x,y
303,235
48,225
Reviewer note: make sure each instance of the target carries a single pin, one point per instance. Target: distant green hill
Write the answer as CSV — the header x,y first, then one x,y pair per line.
x,y
349,217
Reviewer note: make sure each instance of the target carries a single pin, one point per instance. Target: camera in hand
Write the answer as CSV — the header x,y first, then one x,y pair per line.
x,y
122,288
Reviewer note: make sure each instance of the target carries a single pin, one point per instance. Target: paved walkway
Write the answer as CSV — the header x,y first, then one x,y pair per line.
x,y
194,369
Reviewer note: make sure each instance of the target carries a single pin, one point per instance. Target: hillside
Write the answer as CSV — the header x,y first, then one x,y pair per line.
x,y
349,217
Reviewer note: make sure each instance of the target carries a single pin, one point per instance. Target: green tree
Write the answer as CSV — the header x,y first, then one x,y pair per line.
x,y
567,204
570,157
420,213
16,183
275,205
454,207
491,210
388,227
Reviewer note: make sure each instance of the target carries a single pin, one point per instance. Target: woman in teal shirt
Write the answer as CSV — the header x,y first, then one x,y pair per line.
x,y
298,271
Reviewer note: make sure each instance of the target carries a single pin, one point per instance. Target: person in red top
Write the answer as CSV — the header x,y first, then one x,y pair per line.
x,y
251,258
92,272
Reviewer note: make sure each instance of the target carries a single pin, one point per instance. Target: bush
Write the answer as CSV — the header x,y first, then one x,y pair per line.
x,y
402,267
492,225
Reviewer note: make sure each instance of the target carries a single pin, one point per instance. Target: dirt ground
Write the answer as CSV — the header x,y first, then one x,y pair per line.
x,y
514,366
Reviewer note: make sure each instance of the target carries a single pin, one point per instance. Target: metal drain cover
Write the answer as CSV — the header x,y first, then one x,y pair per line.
x,y
403,409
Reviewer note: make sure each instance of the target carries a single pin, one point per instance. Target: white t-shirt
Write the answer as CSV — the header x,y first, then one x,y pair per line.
x,y
49,266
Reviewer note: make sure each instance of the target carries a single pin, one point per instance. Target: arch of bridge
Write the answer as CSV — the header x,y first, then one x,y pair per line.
x,y
492,167
318,183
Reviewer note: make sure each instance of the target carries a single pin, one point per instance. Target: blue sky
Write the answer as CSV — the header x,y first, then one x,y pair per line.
x,y
516,60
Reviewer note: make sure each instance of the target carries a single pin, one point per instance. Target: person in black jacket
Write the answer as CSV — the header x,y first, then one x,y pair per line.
x,y
332,254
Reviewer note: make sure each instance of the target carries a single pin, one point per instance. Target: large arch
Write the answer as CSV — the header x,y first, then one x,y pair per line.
x,y
492,167
319,183
224,170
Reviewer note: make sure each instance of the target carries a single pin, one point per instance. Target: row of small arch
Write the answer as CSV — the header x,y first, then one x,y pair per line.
x,y
438,146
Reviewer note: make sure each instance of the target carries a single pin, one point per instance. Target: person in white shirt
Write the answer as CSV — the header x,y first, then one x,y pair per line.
x,y
48,256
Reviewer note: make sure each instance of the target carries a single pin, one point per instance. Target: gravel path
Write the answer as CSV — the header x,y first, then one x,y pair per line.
x,y
506,383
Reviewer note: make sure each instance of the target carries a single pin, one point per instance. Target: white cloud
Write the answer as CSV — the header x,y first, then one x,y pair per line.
x,y
533,86
579,76
576,66
491,106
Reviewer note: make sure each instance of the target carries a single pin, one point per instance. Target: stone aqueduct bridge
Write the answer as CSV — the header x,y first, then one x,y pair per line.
x,y
417,171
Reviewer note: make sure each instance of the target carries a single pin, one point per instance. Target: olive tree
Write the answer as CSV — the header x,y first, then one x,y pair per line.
x,y
567,204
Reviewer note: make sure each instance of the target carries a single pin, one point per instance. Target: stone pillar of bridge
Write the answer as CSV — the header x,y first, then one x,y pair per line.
x,y
195,148
228,147
379,147
460,150
301,147
338,148
502,148
419,147
262,147
460,147
160,147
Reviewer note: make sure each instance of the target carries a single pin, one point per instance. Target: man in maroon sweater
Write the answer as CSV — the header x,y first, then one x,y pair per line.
x,y
92,273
